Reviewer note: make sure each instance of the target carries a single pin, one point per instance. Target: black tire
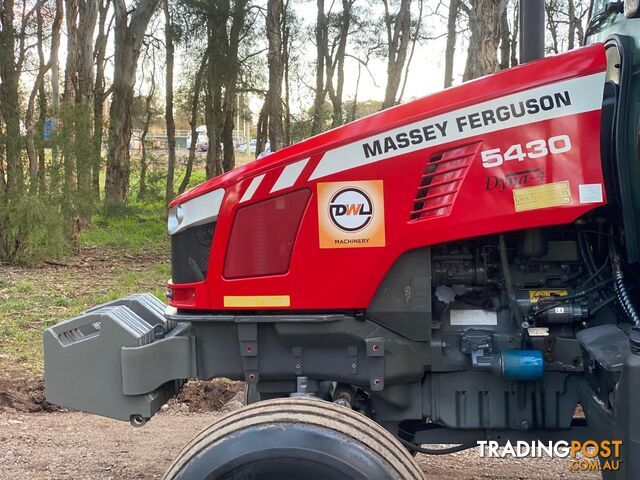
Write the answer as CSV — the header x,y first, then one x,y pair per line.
x,y
294,438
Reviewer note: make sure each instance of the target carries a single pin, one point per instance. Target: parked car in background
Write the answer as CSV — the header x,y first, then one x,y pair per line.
x,y
202,141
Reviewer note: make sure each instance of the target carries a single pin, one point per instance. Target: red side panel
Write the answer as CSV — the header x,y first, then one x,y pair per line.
x,y
514,150
263,235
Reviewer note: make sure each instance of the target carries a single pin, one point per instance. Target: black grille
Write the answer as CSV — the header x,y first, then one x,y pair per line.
x,y
190,253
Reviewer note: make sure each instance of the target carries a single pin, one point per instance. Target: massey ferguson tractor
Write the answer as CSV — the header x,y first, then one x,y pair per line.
x,y
458,269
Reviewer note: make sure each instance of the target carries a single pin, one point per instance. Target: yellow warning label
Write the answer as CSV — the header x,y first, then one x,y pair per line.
x,y
257,301
535,295
542,196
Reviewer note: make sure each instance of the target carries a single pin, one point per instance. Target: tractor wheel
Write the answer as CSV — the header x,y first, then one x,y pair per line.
x,y
294,438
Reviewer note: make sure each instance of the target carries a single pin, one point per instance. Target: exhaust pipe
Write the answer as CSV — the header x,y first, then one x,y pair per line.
x,y
531,30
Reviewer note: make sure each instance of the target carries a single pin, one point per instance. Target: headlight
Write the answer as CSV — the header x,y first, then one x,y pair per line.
x,y
199,210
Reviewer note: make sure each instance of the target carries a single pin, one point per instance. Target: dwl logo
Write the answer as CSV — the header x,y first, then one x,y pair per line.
x,y
350,209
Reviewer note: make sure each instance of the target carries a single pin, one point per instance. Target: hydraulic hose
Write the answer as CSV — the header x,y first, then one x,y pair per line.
x,y
437,451
621,289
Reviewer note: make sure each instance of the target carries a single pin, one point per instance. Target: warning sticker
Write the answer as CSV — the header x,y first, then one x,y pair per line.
x,y
535,295
351,214
542,196
474,317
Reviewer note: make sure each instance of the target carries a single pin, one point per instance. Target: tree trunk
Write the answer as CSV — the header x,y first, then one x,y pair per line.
x,y
217,18
321,42
195,103
83,148
451,43
9,95
171,125
29,117
68,103
43,109
36,89
127,42
505,41
54,181
231,73
142,188
353,111
274,58
99,97
515,37
213,119
3,185
398,35
414,41
572,24
286,47
262,128
484,23
336,93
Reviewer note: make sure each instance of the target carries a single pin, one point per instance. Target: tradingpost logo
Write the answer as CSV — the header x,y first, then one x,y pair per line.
x,y
590,455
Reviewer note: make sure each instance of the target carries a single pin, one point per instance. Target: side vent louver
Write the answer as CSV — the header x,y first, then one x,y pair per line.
x,y
441,181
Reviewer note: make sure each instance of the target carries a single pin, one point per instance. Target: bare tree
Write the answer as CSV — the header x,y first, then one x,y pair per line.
x,y
505,41
515,35
286,59
83,117
415,36
128,35
551,9
274,94
335,63
29,118
148,114
225,25
321,33
398,26
449,55
484,23
193,121
12,57
231,79
70,88
100,93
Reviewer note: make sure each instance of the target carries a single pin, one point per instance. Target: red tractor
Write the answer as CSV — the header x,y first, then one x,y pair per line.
x,y
458,269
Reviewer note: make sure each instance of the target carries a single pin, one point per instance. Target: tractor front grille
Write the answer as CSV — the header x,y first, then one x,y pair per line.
x,y
441,182
190,253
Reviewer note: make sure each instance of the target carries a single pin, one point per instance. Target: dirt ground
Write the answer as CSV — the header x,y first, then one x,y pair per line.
x,y
42,442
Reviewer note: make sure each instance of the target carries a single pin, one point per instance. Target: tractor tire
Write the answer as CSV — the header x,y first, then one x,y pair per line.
x,y
294,438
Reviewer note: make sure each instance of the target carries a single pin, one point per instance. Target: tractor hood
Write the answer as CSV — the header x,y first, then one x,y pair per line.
x,y
585,60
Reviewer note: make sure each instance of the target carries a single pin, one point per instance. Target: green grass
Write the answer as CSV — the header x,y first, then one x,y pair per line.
x,y
138,227
29,306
